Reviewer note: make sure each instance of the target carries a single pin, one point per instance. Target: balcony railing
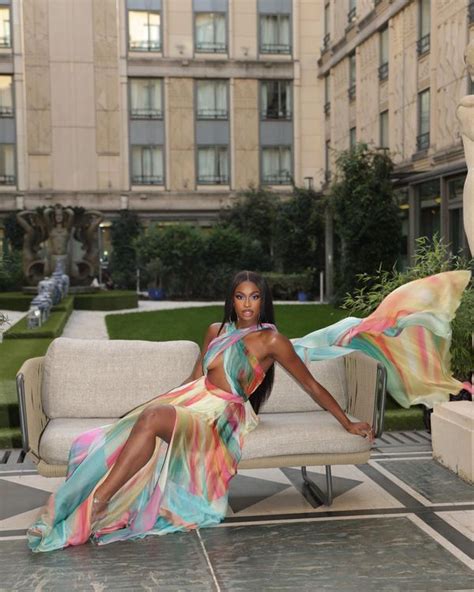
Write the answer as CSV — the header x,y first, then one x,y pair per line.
x,y
352,15
213,114
5,41
145,45
423,141
383,71
211,47
146,114
283,178
213,179
326,41
327,108
275,48
351,92
7,179
471,11
147,179
423,45
276,114
6,111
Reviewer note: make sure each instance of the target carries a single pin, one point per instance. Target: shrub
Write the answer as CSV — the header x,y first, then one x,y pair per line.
x,y
113,300
430,257
52,328
366,216
11,273
287,286
123,264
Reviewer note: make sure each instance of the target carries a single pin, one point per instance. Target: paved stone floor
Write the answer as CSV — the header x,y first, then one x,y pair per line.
x,y
400,522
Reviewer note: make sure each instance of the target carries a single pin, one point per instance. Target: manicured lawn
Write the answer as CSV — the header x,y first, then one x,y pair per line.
x,y
191,323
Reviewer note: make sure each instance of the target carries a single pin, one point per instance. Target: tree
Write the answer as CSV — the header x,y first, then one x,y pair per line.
x,y
366,216
123,264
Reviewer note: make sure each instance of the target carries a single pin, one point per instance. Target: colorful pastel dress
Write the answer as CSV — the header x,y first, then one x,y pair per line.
x,y
185,484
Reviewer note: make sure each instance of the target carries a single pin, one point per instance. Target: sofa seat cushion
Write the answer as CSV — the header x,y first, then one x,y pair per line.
x,y
315,432
288,396
100,378
60,433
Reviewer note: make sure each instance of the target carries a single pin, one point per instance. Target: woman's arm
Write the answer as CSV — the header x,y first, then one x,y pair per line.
x,y
210,334
282,351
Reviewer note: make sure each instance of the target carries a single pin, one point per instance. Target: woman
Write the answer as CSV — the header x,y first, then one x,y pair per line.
x,y
166,465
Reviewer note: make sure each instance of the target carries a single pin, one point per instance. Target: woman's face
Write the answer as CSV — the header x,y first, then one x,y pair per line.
x,y
247,301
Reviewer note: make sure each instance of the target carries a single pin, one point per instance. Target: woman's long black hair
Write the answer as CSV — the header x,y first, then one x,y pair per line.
x,y
267,315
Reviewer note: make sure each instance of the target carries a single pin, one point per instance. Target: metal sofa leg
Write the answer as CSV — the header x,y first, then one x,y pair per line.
x,y
324,498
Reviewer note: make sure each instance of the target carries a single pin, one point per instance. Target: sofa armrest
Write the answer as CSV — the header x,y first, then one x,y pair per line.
x,y
33,420
366,389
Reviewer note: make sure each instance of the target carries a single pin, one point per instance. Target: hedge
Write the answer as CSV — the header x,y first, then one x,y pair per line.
x,y
285,286
111,300
15,301
52,328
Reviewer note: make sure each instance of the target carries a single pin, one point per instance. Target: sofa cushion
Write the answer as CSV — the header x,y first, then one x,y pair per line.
x,y
101,378
315,432
59,434
288,396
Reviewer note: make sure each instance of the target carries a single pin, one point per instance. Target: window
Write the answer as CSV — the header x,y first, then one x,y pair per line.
x,y
429,201
352,77
210,34
144,30
213,165
5,34
146,98
402,199
352,138
7,164
327,160
383,67
212,99
456,237
352,13
276,165
327,94
147,165
424,28
384,141
275,33
276,99
6,96
327,26
423,138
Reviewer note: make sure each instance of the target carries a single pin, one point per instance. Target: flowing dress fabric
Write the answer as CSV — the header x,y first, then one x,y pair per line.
x,y
185,483
409,333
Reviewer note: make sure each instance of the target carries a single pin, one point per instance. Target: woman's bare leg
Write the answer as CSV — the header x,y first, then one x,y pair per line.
x,y
156,421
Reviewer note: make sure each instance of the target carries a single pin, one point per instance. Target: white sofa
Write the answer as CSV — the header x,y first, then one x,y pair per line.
x,y
82,384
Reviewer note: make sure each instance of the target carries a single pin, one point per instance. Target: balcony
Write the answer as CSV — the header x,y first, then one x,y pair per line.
x,y
147,179
327,108
423,141
7,180
145,45
6,111
423,45
279,48
351,92
213,179
208,47
212,114
352,16
383,71
276,114
146,114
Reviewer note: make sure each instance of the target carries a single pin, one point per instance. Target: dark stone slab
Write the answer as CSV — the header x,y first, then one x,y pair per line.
x,y
369,555
167,563
16,498
432,480
247,491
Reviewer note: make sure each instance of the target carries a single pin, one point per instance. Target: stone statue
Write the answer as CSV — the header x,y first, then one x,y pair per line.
x,y
465,116
35,233
59,222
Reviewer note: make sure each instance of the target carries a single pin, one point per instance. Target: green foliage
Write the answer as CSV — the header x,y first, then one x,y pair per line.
x,y
366,216
11,274
431,257
15,301
13,232
52,328
124,231
108,300
285,286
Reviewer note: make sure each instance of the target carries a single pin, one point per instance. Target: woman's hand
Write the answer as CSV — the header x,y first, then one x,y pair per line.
x,y
361,429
